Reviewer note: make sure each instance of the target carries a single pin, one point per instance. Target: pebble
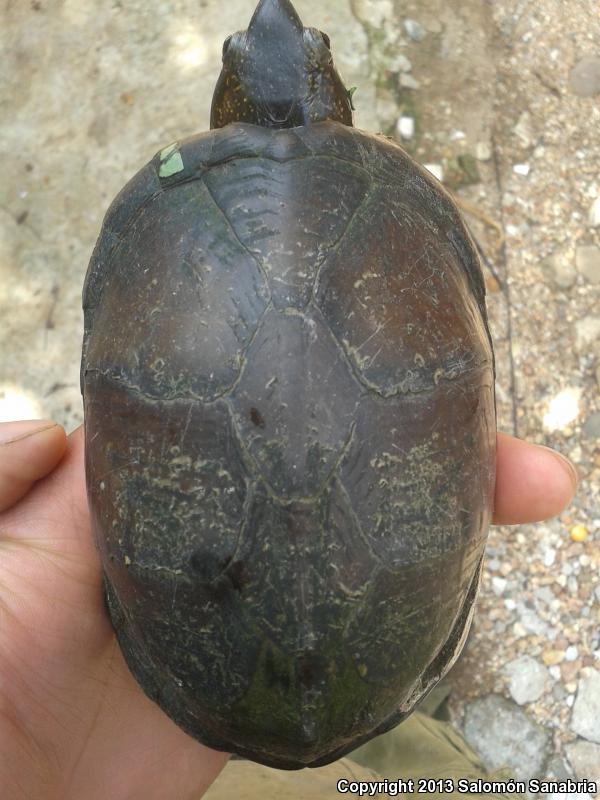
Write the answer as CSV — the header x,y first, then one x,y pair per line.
x,y
587,331
578,533
571,653
483,151
558,769
386,110
587,259
521,169
569,796
506,568
523,129
504,735
408,82
594,215
377,12
499,585
528,679
584,79
414,30
533,623
567,567
585,719
436,169
560,270
545,595
406,127
549,557
552,657
434,25
559,693
591,427
584,758
400,63
569,670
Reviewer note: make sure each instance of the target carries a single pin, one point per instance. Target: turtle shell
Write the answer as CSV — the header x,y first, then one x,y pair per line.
x,y
290,435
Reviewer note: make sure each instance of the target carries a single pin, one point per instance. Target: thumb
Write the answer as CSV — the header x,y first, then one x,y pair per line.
x,y
29,450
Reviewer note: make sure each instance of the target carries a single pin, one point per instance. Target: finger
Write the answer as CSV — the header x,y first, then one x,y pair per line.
x,y
74,476
55,511
533,483
64,497
29,450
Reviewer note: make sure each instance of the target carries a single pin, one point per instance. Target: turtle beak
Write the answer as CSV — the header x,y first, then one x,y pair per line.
x,y
275,18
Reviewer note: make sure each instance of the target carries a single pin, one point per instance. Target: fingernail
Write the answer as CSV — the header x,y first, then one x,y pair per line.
x,y
26,429
565,462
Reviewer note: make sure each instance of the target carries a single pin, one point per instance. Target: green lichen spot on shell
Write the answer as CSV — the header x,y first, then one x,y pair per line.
x,y
270,696
170,161
273,694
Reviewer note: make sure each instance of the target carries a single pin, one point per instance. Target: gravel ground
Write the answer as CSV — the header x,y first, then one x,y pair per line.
x,y
502,100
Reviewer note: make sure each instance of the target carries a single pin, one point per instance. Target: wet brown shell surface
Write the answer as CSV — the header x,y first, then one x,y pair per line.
x,y
290,435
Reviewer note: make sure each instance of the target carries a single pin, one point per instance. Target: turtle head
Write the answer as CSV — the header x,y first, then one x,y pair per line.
x,y
279,74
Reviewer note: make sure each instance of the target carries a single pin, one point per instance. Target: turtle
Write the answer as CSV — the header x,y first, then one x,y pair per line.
x,y
290,425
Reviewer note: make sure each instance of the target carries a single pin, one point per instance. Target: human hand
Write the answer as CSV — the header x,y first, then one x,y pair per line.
x,y
73,722
533,483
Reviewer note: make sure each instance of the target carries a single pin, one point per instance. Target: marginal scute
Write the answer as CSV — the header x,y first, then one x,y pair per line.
x,y
135,194
183,160
171,161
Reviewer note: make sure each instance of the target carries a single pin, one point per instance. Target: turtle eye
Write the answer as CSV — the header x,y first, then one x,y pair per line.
x,y
326,39
226,44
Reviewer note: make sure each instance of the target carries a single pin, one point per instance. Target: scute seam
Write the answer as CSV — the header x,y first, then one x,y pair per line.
x,y
254,468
